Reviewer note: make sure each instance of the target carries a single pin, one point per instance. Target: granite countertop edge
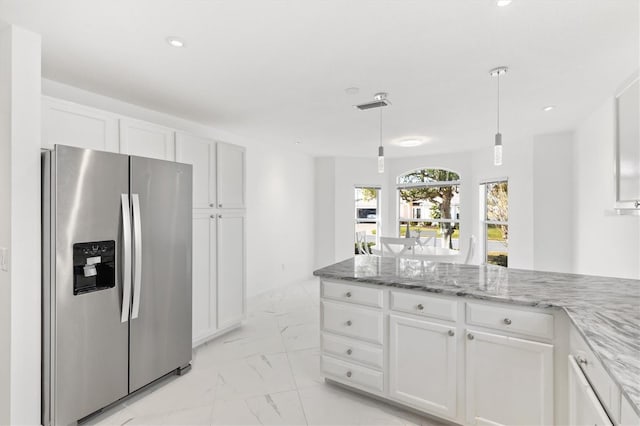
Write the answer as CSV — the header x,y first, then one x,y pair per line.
x,y
529,301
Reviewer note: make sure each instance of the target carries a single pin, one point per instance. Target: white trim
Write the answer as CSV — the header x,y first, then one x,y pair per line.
x,y
429,184
487,181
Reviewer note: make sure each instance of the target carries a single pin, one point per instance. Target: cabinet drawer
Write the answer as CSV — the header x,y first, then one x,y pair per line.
x,y
351,321
352,294
507,319
352,349
433,307
352,374
591,367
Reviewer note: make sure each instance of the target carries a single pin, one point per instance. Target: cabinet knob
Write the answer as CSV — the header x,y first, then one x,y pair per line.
x,y
470,336
637,204
348,373
213,216
349,323
582,360
349,351
220,216
348,294
210,204
451,333
219,205
420,307
507,321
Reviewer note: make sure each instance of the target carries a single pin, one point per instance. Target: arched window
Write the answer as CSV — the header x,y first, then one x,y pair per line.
x,y
430,206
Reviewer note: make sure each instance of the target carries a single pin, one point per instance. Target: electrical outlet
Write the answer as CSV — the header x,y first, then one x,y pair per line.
x,y
4,259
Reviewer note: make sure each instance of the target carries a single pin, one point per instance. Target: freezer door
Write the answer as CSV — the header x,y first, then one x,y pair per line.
x,y
160,340
88,342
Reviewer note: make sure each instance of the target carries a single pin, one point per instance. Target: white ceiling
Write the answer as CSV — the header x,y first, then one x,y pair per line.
x,y
276,70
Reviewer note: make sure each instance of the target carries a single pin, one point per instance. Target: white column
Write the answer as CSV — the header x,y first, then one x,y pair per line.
x,y
20,283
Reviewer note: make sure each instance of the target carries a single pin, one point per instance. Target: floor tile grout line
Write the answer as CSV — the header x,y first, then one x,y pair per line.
x,y
304,413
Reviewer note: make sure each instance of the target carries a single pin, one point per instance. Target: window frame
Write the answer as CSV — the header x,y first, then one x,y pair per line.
x,y
401,186
378,219
484,222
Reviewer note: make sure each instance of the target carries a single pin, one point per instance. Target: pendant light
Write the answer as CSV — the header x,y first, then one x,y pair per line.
x,y
380,149
497,146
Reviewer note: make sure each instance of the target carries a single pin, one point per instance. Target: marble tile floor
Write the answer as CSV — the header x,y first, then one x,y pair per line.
x,y
264,373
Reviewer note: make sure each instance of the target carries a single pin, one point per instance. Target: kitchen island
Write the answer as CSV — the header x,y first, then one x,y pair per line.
x,y
490,313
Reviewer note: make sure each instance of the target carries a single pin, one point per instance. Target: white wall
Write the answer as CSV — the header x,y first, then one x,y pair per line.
x,y
604,243
553,189
280,199
20,286
324,226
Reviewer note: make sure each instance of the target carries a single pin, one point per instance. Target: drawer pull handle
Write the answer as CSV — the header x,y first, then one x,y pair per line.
x,y
348,294
582,360
470,336
451,333
348,373
507,321
349,351
349,323
420,307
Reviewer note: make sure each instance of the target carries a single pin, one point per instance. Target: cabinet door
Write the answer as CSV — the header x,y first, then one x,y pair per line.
x,y
204,276
231,176
66,123
422,365
509,381
584,406
200,153
146,140
231,268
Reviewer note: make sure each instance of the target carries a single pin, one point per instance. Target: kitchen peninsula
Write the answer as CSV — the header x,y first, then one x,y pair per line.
x,y
484,344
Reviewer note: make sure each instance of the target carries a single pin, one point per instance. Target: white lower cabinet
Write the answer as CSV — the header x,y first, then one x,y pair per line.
x,y
231,268
423,364
204,277
218,273
584,406
509,381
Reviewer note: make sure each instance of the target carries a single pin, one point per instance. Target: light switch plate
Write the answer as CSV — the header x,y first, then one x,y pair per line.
x,y
4,259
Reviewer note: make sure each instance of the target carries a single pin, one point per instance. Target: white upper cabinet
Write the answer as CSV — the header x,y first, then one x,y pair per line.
x,y
509,381
66,123
231,176
146,140
201,153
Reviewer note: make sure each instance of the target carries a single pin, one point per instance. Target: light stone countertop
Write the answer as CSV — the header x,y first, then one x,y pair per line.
x,y
605,310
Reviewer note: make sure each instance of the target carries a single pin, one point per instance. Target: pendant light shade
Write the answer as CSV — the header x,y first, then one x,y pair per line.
x,y
380,159
497,150
497,145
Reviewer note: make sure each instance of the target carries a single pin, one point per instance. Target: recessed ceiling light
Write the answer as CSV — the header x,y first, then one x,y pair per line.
x,y
352,90
298,142
503,3
409,142
175,42
548,108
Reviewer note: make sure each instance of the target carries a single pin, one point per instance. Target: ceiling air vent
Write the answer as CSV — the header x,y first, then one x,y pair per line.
x,y
380,100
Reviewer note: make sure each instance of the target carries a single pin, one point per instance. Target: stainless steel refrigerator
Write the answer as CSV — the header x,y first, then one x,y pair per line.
x,y
116,277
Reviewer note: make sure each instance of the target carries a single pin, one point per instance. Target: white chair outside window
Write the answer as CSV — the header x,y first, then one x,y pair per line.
x,y
397,247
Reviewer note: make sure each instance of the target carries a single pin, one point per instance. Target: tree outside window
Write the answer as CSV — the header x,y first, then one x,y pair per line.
x,y
430,205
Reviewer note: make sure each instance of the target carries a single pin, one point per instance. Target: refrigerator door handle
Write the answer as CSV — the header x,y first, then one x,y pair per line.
x,y
126,247
137,256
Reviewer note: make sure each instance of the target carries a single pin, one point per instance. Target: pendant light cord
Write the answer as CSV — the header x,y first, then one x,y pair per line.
x,y
380,126
498,115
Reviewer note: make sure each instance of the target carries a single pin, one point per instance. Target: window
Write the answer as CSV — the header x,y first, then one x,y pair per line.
x,y
430,206
367,216
495,224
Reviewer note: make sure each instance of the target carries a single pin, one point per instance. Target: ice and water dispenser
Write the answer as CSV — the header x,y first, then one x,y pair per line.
x,y
94,266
